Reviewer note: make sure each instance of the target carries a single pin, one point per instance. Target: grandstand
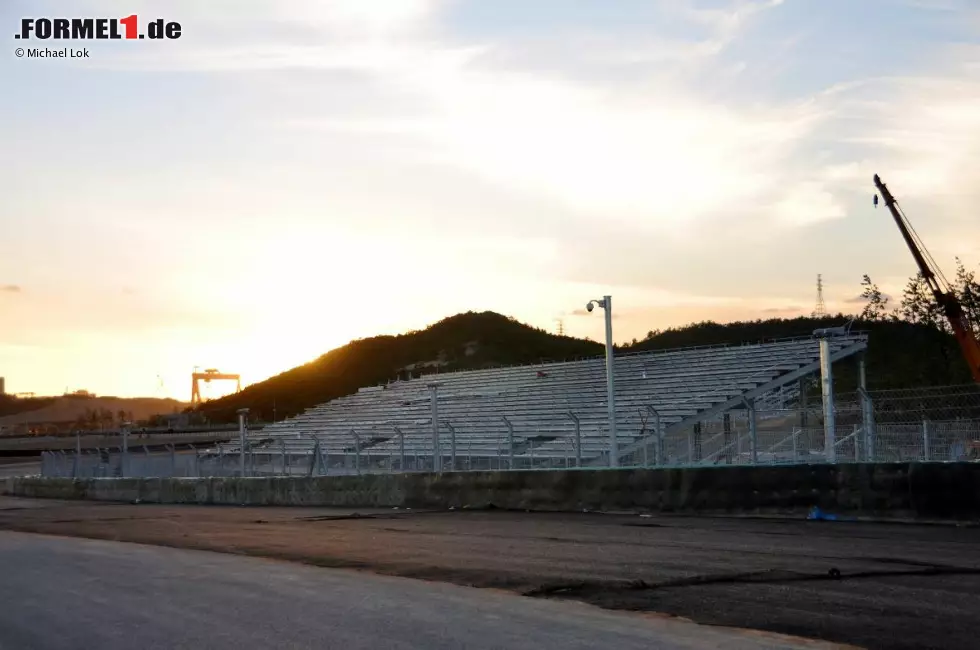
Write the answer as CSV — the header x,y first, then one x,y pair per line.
x,y
547,415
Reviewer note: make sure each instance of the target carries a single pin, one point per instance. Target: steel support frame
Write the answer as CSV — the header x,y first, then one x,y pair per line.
x,y
809,369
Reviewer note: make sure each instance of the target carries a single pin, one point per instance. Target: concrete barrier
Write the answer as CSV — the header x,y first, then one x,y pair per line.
x,y
920,490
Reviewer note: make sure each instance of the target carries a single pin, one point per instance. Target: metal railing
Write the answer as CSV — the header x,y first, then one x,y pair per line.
x,y
925,441
924,425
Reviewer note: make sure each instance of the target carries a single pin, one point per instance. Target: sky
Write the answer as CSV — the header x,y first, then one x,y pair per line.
x,y
288,176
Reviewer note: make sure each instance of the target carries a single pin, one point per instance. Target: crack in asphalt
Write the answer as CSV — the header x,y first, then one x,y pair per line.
x,y
765,576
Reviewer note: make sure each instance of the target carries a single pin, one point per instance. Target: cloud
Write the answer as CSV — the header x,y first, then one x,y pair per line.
x,y
617,142
10,288
727,21
659,154
266,35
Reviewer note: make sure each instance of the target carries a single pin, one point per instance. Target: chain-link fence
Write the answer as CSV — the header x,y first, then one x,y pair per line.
x,y
118,462
927,425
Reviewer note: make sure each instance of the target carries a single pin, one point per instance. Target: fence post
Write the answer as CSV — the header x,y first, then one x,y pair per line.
x,y
868,422
578,439
324,464
753,432
510,442
436,451
78,454
452,446
242,430
173,459
124,430
357,451
658,449
697,442
401,449
314,456
726,423
642,437
925,440
857,443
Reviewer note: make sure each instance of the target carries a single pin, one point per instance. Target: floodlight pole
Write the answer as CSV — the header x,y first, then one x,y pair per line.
x,y
827,391
606,304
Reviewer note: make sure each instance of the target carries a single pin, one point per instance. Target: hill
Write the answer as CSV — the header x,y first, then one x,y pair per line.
x,y
11,405
900,355
86,413
465,341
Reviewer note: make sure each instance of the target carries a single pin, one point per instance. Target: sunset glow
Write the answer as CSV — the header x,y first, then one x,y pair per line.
x,y
276,183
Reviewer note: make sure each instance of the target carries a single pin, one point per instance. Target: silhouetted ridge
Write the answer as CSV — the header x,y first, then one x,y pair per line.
x,y
900,355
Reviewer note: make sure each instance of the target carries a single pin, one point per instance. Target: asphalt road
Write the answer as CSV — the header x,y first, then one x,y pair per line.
x,y
64,593
897,586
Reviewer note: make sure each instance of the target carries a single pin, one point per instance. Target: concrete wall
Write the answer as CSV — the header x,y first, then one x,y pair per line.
x,y
934,491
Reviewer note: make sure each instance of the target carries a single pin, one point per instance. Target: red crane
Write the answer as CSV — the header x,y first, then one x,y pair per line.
x,y
945,297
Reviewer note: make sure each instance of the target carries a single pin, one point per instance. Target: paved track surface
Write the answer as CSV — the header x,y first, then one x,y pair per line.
x,y
899,586
62,593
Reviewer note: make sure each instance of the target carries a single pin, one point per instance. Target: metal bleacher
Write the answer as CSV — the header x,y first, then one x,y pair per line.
x,y
545,415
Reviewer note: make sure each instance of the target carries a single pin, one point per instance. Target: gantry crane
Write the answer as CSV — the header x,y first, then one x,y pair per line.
x,y
207,376
944,295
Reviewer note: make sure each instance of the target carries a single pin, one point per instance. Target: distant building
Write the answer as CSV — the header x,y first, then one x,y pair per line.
x,y
3,388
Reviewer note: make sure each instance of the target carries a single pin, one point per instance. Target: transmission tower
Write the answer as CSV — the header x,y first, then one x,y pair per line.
x,y
821,309
561,326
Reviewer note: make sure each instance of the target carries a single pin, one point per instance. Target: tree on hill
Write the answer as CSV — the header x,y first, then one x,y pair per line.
x,y
900,354
918,305
969,294
876,303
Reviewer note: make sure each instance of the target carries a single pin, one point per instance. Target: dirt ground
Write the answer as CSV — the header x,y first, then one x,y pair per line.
x,y
872,585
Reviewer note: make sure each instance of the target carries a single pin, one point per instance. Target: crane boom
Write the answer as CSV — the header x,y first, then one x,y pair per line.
x,y
945,297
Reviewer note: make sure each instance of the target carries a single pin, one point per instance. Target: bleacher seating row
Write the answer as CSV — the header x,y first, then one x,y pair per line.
x,y
533,411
